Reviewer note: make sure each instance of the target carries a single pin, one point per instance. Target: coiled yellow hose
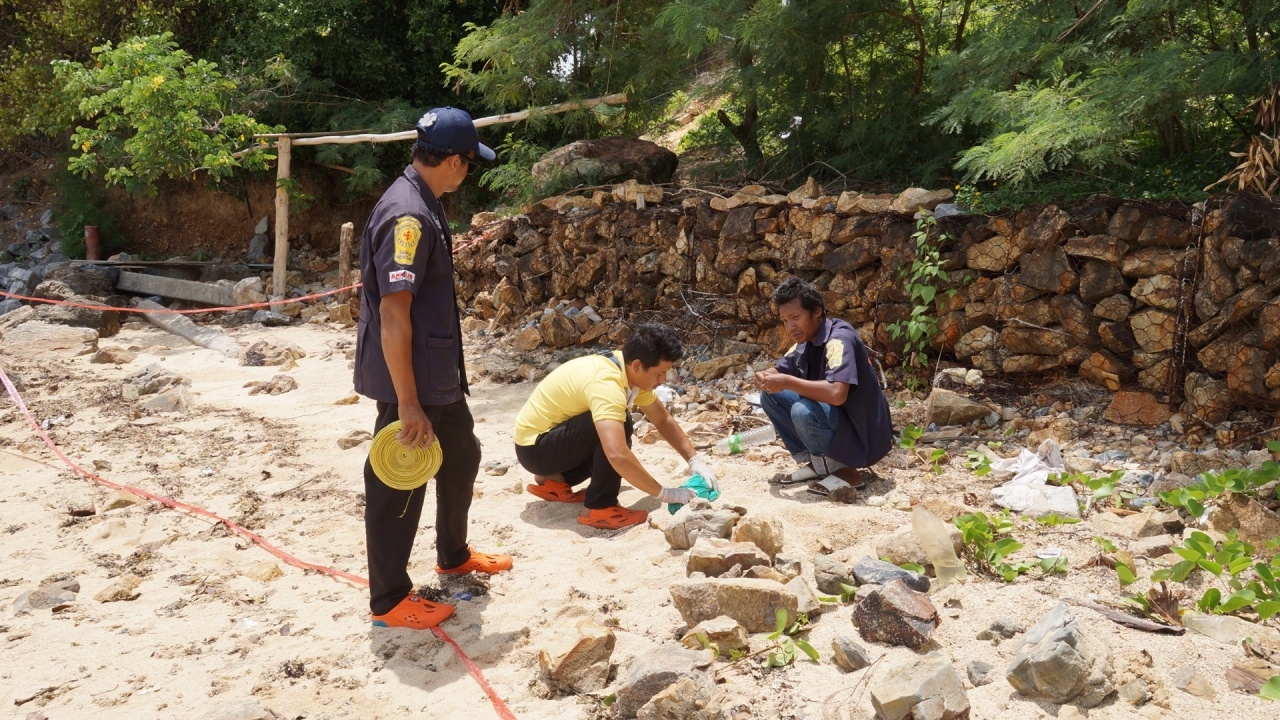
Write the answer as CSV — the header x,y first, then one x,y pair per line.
x,y
400,467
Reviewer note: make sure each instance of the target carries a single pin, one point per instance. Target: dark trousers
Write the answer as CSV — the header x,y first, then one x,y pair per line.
x,y
391,516
573,449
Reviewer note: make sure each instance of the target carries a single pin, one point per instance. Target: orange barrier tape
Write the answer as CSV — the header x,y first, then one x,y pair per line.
x,y
503,711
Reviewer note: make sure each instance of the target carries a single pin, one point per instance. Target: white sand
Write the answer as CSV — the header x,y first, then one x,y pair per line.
x,y
203,635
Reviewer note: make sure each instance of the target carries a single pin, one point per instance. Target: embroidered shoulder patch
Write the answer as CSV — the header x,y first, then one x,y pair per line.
x,y
396,276
835,353
407,233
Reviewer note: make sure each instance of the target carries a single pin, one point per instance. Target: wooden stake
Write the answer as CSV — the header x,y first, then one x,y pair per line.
x,y
344,259
281,269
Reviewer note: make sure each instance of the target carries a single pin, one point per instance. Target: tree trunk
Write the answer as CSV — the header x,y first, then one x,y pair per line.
x,y
964,20
745,131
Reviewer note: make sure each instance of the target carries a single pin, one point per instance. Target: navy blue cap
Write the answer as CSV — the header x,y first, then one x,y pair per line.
x,y
450,131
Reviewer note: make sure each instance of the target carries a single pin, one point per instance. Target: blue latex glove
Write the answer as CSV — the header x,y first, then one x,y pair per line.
x,y
698,485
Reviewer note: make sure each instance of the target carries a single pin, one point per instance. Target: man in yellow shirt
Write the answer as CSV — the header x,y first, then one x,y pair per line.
x,y
576,426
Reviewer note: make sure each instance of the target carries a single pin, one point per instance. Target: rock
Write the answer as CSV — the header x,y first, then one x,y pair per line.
x,y
902,546
806,602
689,698
1158,261
926,688
258,245
724,632
1247,373
1151,547
763,531
1269,325
174,400
652,673
1048,270
1099,280
576,658
113,355
1207,398
897,615
1136,408
1164,231
124,588
977,341
121,499
1128,222
699,522
1159,291
1097,247
713,556
1254,523
1129,527
1135,693
1002,628
913,199
527,339
790,567
1187,679
36,339
86,280
753,603
980,673
1106,370
716,368
277,385
249,291
49,595
1059,661
996,254
1115,308
848,654
810,190
949,408
829,574
558,331
264,352
271,319
606,160
869,571
264,571
1154,330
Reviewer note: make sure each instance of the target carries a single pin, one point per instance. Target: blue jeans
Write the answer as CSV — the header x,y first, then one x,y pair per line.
x,y
805,426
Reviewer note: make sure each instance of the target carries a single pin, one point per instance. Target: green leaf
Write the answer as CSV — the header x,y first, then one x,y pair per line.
x,y
1105,544
1126,575
780,620
608,700
1182,570
1187,553
807,649
1237,600
1271,691
1210,600
1267,608
1161,575
1274,446
913,567
1194,507
1211,566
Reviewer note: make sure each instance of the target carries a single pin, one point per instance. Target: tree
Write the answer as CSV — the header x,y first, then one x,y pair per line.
x,y
156,113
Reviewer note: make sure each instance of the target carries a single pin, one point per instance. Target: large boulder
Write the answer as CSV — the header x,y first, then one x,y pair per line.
x,y
949,408
1059,661
35,339
763,531
604,161
714,556
870,571
652,673
927,688
896,615
689,698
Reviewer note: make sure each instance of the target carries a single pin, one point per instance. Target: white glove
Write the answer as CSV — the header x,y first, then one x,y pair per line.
x,y
698,466
677,495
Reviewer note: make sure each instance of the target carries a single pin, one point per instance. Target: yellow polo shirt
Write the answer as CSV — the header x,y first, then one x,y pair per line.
x,y
591,383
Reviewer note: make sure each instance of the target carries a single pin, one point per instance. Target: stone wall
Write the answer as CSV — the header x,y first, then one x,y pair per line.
x,y
1182,301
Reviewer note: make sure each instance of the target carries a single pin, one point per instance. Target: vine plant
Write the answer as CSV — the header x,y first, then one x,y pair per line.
x,y
921,280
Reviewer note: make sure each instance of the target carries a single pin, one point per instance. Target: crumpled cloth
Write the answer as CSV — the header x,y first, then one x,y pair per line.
x,y
699,485
1027,490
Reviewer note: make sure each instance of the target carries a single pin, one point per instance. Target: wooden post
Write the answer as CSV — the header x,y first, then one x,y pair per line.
x,y
344,260
280,271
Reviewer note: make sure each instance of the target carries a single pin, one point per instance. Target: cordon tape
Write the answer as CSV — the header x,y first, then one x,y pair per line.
x,y
498,705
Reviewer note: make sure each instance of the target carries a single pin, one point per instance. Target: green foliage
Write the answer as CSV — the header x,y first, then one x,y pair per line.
x,y
156,113
1054,520
1208,486
1100,490
911,434
81,202
848,593
1248,583
1271,690
785,644
513,179
921,281
937,459
978,462
986,550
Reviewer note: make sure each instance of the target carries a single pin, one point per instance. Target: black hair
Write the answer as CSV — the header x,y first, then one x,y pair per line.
x,y
652,343
427,156
795,288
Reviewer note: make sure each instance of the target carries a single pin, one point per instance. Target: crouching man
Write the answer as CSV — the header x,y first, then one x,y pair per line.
x,y
576,427
823,397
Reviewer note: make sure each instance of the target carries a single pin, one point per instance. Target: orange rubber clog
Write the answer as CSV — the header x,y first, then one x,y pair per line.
x,y
414,613
481,563
612,518
553,491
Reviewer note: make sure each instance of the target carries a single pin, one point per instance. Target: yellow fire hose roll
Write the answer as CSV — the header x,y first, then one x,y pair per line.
x,y
400,467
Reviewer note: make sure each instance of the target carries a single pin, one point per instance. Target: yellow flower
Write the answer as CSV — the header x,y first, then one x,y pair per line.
x,y
157,81
85,147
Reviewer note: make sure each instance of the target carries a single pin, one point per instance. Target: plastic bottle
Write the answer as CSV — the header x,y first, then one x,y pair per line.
x,y
1229,629
934,539
737,441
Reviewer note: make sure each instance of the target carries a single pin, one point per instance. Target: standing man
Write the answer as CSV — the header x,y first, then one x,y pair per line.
x,y
822,396
577,426
409,359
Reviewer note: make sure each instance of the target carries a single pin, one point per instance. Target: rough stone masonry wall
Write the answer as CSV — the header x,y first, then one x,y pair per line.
x,y
1182,301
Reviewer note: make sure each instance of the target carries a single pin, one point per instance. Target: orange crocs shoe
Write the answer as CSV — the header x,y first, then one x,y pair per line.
x,y
414,613
481,563
553,491
612,518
